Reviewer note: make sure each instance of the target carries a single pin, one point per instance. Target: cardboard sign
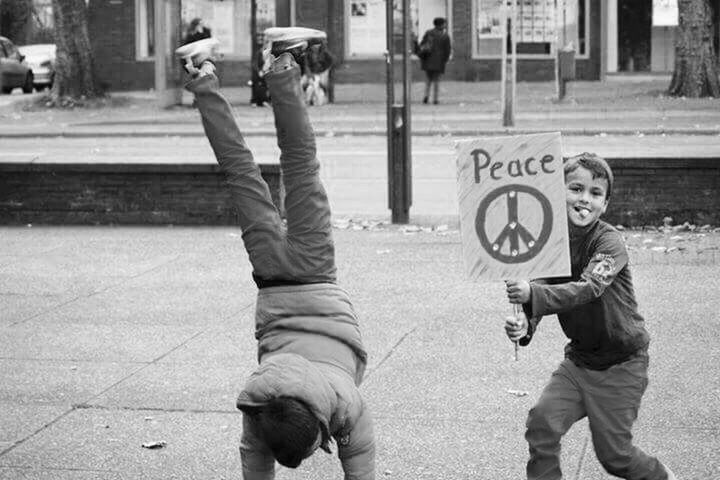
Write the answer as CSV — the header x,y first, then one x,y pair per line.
x,y
513,217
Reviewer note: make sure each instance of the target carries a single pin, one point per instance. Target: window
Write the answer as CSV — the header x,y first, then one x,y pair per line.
x,y
366,23
542,27
145,28
229,22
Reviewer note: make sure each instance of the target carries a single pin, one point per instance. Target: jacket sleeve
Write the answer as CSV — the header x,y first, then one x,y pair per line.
x,y
356,449
533,323
607,259
257,461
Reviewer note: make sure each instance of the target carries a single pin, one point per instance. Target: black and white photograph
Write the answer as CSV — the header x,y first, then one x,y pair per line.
x,y
359,240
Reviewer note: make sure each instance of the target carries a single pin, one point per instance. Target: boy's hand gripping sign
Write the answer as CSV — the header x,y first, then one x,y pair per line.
x,y
513,217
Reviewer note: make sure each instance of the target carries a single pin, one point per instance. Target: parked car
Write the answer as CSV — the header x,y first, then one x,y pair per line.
x,y
41,58
14,72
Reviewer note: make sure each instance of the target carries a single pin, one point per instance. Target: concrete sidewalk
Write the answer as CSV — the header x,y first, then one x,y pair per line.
x,y
112,338
467,108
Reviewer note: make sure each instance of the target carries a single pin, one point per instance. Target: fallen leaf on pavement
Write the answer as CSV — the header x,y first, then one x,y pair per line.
x,y
518,393
154,445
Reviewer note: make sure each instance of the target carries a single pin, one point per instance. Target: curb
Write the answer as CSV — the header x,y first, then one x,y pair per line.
x,y
325,132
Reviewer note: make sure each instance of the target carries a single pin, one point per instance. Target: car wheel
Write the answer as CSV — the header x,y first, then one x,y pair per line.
x,y
28,85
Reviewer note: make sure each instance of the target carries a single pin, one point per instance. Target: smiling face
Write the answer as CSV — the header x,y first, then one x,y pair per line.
x,y
586,197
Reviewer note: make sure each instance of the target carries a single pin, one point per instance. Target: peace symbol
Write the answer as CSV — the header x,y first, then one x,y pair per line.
x,y
514,232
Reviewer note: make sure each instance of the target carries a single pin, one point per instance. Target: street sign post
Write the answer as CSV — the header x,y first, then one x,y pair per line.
x,y
513,219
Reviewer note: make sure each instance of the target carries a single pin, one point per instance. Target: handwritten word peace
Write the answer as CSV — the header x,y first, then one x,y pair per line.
x,y
514,168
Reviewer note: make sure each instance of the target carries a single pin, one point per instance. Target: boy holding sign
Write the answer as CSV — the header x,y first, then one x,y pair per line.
x,y
604,374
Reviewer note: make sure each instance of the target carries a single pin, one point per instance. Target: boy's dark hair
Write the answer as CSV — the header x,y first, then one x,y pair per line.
x,y
439,22
289,429
598,166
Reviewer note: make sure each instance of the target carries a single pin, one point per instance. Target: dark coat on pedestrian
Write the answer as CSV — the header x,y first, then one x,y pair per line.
x,y
196,31
439,50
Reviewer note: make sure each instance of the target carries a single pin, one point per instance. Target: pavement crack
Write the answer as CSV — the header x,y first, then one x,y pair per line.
x,y
391,351
147,365
94,292
37,431
102,392
89,406
43,312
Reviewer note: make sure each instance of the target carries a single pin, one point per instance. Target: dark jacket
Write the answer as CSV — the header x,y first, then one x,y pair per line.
x,y
596,306
309,348
440,50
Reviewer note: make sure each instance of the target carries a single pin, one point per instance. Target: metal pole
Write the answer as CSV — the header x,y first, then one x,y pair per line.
x,y
407,102
503,59
255,93
399,181
390,95
507,71
513,61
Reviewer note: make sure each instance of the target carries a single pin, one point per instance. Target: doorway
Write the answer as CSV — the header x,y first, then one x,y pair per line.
x,y
634,35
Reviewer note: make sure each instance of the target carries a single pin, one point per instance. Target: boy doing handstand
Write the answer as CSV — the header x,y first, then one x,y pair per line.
x,y
311,356
604,373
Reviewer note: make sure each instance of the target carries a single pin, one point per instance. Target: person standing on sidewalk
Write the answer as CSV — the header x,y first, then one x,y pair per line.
x,y
305,391
197,30
604,374
434,52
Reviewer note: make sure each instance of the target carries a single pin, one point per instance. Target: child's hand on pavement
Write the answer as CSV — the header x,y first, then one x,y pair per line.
x,y
518,291
516,326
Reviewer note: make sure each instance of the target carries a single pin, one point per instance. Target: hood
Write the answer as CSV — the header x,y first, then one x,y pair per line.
x,y
290,375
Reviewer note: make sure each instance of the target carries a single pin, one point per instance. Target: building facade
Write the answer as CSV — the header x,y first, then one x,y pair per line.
x,y
608,36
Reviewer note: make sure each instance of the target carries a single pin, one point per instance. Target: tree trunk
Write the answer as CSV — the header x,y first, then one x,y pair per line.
x,y
74,67
696,62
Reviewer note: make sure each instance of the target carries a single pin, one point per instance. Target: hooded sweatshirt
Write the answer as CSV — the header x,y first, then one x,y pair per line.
x,y
310,348
596,306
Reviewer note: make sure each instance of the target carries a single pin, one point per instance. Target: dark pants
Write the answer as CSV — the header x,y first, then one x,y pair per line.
x,y
432,78
302,252
610,399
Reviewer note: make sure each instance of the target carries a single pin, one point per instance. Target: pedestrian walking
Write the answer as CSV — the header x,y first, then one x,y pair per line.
x,y
197,30
604,374
434,52
311,356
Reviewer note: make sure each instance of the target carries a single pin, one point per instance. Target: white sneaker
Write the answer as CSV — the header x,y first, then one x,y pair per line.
x,y
195,54
292,40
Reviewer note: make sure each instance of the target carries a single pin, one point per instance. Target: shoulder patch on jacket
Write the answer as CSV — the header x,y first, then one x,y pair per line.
x,y
605,266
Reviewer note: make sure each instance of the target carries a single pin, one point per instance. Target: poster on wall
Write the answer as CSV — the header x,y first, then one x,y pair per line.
x,y
489,17
665,13
536,21
367,27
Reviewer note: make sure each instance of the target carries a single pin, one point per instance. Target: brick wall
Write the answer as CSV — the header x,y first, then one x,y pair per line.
x,y
646,191
119,194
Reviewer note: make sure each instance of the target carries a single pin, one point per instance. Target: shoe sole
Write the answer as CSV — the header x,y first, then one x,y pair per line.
x,y
198,51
